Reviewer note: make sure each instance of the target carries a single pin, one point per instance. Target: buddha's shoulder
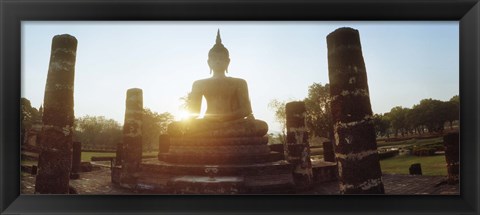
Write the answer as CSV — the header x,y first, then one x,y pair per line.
x,y
237,80
201,82
208,81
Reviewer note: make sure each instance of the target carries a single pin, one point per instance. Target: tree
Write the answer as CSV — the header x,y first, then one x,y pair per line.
x,y
275,138
453,110
455,99
154,124
398,119
185,102
381,124
433,114
416,120
280,116
98,132
317,104
28,116
319,117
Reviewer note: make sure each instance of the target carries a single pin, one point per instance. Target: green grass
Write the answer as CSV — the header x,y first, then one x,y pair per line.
x,y
431,165
86,156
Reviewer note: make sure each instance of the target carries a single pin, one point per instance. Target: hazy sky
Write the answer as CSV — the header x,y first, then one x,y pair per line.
x,y
405,61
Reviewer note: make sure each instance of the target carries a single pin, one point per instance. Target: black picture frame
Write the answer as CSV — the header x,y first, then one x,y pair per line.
x,y
467,12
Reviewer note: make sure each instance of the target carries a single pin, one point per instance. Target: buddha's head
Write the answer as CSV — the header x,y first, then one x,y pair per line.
x,y
218,57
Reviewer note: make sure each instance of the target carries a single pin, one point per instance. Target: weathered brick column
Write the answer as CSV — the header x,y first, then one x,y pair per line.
x,y
119,154
452,152
297,147
354,134
76,160
55,157
132,135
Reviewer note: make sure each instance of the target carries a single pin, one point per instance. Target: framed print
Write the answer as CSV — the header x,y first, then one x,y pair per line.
x,y
239,107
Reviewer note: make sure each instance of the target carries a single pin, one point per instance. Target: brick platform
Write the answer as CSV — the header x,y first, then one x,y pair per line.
x,y
156,176
98,182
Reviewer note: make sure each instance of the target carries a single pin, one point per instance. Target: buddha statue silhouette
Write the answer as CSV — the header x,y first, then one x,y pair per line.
x,y
226,151
229,112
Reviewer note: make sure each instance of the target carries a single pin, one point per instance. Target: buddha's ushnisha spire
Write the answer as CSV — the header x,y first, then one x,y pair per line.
x,y
218,50
219,40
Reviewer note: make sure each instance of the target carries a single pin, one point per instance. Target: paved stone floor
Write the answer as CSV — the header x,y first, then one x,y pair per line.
x,y
98,182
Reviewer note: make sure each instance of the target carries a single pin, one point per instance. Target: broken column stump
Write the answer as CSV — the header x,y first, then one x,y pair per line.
x,y
452,153
163,143
76,160
297,147
55,157
415,169
328,153
132,136
354,133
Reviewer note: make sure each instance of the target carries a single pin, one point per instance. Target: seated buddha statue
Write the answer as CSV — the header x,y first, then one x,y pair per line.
x,y
228,113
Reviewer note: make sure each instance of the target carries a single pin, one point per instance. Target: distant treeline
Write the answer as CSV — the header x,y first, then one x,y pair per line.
x,y
100,133
429,115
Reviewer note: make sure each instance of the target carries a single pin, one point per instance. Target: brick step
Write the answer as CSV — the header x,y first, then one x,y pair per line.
x,y
215,159
162,167
199,150
196,184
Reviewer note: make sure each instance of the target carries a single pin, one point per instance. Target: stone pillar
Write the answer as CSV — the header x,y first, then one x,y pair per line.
x,y
76,160
132,134
355,143
297,147
328,152
119,154
55,157
451,142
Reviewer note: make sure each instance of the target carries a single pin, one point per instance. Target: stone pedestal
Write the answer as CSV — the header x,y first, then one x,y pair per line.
x,y
55,158
219,151
354,133
452,153
132,135
297,148
211,163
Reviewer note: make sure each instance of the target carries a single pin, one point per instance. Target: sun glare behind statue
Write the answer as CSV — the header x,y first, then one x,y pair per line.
x,y
183,115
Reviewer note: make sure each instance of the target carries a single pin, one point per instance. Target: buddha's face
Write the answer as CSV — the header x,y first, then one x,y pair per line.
x,y
218,64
